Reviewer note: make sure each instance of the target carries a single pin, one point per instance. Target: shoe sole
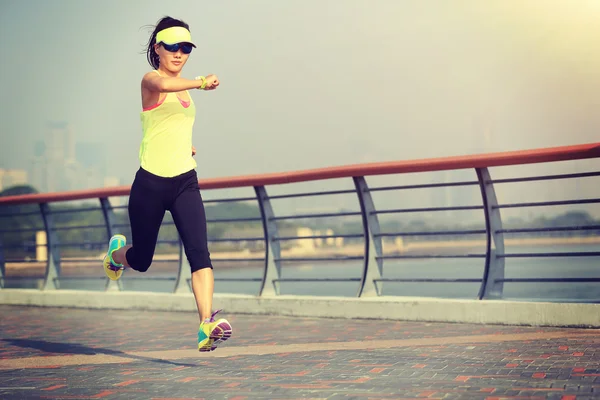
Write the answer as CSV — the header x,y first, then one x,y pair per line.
x,y
220,333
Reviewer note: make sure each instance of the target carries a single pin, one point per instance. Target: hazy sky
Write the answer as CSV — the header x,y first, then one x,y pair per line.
x,y
310,83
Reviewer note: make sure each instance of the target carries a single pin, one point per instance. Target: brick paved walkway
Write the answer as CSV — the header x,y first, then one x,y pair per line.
x,y
80,354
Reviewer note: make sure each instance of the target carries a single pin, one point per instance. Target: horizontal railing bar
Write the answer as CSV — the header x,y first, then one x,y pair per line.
x,y
546,177
425,256
552,280
521,157
548,203
20,246
343,258
229,200
325,215
66,228
21,261
77,244
22,278
550,229
217,220
558,254
76,210
281,238
431,233
119,207
424,186
307,194
239,279
427,209
340,258
317,280
87,260
247,239
25,214
60,278
152,278
431,280
22,230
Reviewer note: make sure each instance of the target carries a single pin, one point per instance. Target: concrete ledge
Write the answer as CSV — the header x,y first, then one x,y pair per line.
x,y
390,308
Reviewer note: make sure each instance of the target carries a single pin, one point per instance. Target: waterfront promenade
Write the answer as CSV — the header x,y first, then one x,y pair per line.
x,y
59,353
499,321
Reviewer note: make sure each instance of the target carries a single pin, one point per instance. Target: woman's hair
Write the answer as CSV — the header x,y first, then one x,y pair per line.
x,y
164,23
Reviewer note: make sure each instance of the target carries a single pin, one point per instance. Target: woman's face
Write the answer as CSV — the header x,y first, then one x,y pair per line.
x,y
173,57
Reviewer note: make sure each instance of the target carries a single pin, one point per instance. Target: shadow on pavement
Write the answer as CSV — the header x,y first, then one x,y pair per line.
x,y
74,348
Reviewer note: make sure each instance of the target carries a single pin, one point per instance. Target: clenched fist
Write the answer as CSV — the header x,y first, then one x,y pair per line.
x,y
211,82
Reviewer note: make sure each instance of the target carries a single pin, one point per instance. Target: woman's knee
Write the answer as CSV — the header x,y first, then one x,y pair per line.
x,y
142,266
199,260
139,262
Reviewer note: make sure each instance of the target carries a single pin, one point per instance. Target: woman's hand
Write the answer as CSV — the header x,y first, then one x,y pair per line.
x,y
193,151
211,82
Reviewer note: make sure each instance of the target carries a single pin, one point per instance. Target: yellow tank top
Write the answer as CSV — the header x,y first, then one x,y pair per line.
x,y
166,148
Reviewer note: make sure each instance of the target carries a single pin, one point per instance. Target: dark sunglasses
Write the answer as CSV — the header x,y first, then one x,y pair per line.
x,y
186,48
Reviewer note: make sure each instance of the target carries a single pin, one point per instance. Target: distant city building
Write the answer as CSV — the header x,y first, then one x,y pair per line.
x,y
51,158
60,163
92,155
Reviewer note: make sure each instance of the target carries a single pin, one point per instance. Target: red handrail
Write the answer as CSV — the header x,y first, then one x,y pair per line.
x,y
552,154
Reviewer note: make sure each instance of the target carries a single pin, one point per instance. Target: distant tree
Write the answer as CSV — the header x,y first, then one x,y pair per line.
x,y
18,190
12,220
15,209
573,218
232,210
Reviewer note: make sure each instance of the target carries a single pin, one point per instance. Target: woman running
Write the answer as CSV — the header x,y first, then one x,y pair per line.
x,y
167,179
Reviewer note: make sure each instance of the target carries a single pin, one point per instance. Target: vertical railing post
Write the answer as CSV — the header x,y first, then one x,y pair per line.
x,y
2,266
184,275
272,271
53,258
109,220
373,263
494,265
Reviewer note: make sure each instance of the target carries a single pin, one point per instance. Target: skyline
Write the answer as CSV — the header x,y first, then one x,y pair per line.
x,y
314,84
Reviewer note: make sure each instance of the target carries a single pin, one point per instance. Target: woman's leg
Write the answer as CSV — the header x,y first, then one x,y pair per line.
x,y
146,212
190,220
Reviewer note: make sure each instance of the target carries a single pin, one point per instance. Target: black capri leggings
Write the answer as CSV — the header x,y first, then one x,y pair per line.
x,y
151,196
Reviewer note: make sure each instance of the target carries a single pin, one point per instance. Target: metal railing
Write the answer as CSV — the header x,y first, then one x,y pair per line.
x,y
369,282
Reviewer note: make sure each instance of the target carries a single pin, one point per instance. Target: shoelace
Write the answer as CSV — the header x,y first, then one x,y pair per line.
x,y
212,317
